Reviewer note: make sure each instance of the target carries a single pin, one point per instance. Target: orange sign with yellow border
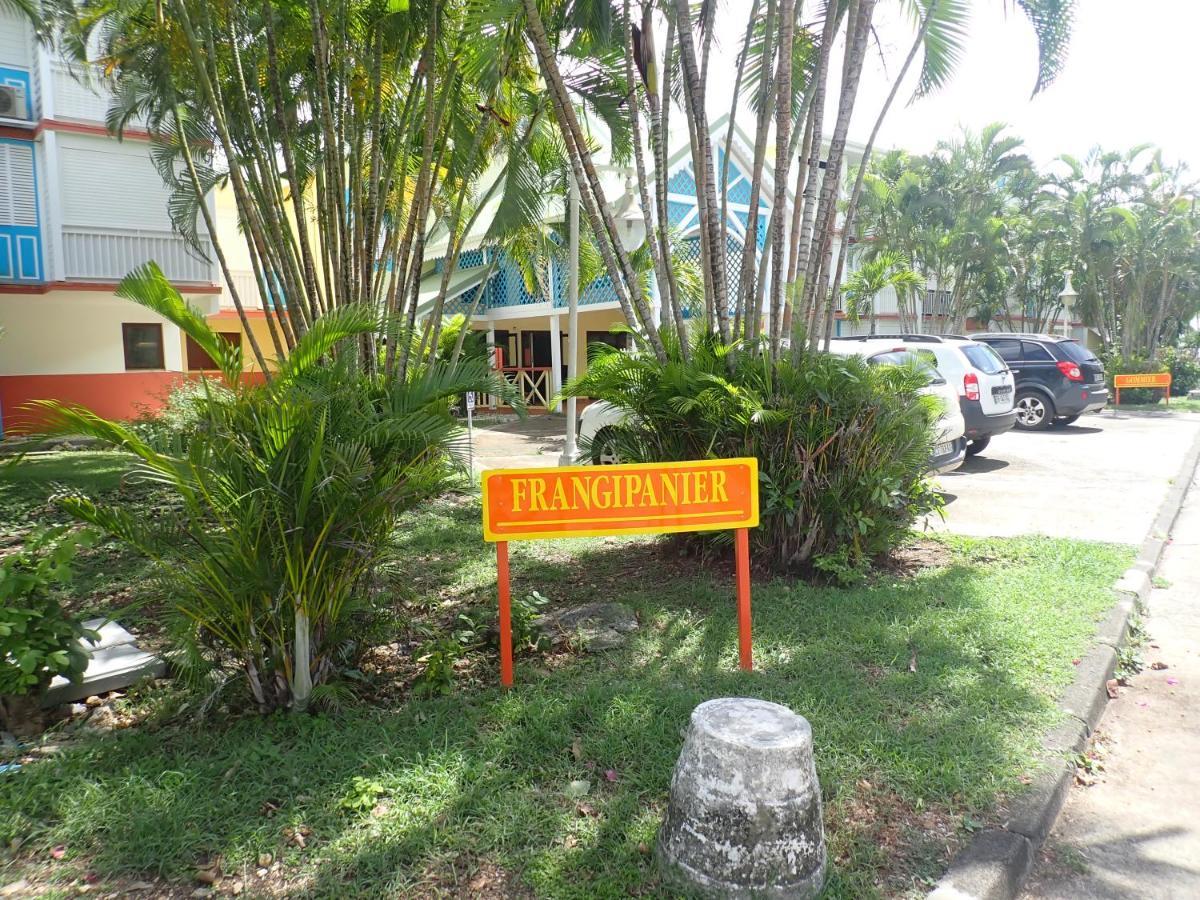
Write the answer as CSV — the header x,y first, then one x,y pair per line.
x,y
1146,380
649,498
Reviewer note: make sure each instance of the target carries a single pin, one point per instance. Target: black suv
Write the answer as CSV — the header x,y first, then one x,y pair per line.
x,y
1058,379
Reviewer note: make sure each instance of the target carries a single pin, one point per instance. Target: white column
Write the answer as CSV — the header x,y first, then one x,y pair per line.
x,y
45,98
52,206
491,351
569,451
172,347
555,355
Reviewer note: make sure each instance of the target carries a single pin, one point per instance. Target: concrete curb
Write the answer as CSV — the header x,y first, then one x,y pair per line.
x,y
996,863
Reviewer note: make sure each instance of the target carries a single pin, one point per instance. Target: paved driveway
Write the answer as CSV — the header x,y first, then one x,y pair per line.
x,y
512,443
1100,479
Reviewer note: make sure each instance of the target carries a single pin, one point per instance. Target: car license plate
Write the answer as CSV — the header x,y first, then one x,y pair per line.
x,y
943,449
1002,391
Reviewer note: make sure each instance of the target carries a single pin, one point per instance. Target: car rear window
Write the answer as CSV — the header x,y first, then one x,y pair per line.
x,y
1035,352
1007,348
906,358
1076,352
984,358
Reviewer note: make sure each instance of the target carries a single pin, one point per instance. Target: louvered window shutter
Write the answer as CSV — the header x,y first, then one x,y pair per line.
x,y
18,200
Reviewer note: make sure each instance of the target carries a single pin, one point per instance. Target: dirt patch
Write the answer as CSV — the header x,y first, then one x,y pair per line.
x,y
916,845
465,876
918,555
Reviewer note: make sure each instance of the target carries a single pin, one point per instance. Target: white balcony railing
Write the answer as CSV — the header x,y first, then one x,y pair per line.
x,y
246,286
109,254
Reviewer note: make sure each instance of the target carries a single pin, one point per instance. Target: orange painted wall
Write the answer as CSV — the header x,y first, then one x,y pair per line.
x,y
118,395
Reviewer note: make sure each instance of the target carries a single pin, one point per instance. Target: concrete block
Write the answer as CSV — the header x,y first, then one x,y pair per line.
x,y
991,867
116,662
1136,581
1067,738
1033,812
1115,627
744,817
1087,695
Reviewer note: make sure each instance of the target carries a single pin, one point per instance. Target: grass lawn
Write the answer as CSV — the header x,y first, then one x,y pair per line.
x,y
1177,405
927,692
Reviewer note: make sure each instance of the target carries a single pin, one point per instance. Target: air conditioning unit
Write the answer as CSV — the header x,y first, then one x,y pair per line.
x,y
12,102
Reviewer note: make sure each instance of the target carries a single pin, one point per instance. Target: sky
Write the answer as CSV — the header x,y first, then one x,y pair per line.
x,y
1131,77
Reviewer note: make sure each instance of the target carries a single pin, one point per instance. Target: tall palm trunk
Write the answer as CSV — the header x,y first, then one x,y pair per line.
x,y
783,124
858,32
702,166
625,281
856,191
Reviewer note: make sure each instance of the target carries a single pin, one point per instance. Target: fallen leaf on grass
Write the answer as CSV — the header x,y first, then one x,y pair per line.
x,y
578,788
577,749
1159,666
58,852
1111,687
586,809
611,775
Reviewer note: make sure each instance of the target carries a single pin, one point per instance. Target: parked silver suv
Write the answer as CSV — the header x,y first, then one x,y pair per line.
x,y
982,379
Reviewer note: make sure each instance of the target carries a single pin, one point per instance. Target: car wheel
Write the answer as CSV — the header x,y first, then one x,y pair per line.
x,y
603,452
978,445
1034,411
1065,420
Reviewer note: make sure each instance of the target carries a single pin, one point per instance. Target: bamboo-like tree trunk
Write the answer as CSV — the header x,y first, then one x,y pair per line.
x,y
856,191
625,281
783,124
703,169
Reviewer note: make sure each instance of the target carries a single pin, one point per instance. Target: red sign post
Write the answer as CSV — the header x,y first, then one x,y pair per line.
x,y
592,501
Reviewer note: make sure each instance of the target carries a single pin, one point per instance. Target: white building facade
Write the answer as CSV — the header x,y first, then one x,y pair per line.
x,y
79,209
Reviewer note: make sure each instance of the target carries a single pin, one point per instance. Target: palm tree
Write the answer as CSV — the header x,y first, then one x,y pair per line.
x,y
886,270
285,494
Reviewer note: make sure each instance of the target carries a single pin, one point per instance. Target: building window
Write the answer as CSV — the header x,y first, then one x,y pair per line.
x,y
199,361
143,345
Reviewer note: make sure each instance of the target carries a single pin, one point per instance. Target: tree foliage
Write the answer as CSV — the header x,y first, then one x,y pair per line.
x,y
980,222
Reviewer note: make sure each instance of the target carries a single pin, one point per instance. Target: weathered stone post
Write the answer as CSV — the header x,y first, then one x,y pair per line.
x,y
744,817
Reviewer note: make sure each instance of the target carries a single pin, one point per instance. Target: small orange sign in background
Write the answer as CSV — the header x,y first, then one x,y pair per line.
x,y
1143,380
647,498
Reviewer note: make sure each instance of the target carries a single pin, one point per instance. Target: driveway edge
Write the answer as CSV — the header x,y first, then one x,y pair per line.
x,y
996,863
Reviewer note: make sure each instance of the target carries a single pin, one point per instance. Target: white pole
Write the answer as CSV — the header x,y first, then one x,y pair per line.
x,y
569,452
491,352
555,354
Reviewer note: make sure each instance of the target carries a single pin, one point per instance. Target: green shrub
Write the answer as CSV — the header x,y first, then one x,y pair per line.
x,y
38,638
1115,364
171,427
1184,368
842,447
286,495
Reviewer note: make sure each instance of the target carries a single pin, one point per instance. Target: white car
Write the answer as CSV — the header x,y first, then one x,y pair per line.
x,y
948,451
596,416
984,382
949,447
